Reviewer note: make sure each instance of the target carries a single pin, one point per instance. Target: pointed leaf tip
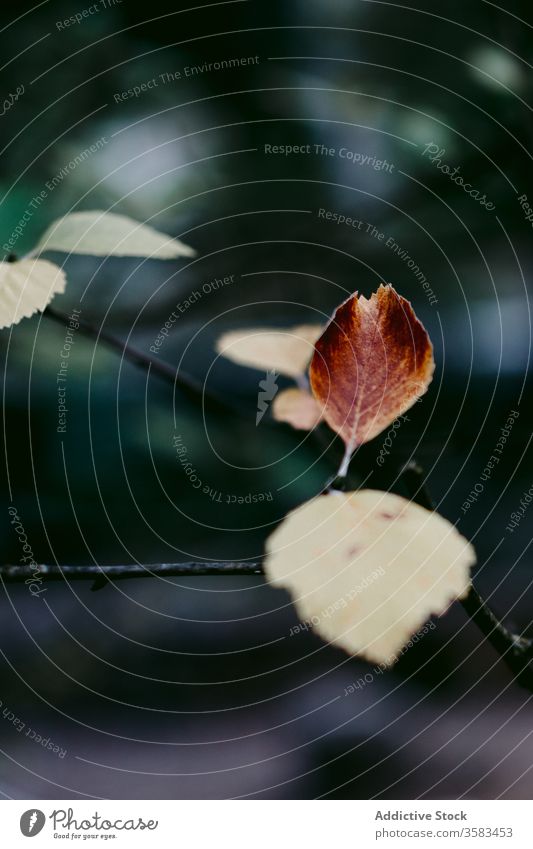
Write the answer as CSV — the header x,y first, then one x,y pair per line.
x,y
373,361
107,234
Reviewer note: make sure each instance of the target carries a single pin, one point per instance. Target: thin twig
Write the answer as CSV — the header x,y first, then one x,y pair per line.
x,y
103,575
516,651
188,385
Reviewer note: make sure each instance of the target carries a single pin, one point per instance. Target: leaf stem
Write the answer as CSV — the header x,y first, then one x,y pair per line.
x,y
345,462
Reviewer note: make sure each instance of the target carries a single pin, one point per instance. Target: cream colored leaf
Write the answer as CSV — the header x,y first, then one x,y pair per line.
x,y
106,234
27,287
298,408
286,351
368,568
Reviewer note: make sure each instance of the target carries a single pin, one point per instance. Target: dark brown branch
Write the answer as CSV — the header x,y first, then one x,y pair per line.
x,y
188,385
102,575
516,651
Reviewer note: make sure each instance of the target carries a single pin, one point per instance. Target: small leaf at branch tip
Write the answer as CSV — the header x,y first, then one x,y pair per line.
x,y
371,364
298,408
285,350
107,234
27,287
368,569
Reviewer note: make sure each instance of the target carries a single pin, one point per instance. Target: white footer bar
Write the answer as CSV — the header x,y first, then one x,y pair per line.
x,y
267,824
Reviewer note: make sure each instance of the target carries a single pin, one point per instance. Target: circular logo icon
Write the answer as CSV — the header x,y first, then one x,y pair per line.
x,y
32,822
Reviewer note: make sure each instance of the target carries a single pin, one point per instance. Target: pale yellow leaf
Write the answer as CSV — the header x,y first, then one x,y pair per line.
x,y
368,568
106,234
27,287
286,351
298,408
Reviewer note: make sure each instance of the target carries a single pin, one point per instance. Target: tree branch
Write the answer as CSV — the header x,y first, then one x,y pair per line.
x,y
515,650
102,575
188,385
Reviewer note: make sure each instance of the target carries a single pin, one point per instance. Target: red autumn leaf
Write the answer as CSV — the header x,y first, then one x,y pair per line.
x,y
370,365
